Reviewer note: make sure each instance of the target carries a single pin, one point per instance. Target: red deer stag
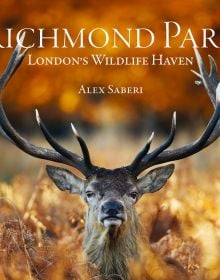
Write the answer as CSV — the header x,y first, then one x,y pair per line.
x,y
112,226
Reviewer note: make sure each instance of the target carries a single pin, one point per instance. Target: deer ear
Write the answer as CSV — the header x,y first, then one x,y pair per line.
x,y
65,180
155,179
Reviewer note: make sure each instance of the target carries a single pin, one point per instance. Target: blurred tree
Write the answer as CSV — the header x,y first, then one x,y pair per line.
x,y
54,89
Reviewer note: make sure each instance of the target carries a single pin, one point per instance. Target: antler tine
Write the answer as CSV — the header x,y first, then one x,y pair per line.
x,y
64,152
84,148
198,144
167,143
14,62
51,140
190,149
212,130
213,69
160,149
210,81
24,145
141,154
213,76
7,130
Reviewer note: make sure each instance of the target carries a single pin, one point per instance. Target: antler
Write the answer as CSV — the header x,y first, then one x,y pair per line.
x,y
210,134
58,154
144,159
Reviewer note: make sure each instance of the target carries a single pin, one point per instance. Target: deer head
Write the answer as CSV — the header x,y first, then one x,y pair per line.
x,y
112,194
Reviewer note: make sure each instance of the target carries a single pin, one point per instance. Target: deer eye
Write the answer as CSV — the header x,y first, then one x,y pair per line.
x,y
90,194
133,195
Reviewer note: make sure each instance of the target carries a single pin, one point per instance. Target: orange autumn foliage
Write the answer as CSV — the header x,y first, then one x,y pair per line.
x,y
54,89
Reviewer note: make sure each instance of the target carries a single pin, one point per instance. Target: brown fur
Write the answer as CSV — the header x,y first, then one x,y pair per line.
x,y
110,249
109,245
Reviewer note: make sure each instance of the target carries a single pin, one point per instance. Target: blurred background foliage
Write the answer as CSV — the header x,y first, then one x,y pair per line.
x,y
54,89
182,220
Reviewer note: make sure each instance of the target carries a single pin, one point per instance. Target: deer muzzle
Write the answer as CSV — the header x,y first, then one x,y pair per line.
x,y
112,213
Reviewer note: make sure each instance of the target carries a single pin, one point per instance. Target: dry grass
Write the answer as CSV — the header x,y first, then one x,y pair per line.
x,y
41,228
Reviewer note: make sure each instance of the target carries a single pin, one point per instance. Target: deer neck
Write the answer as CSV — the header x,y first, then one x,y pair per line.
x,y
110,248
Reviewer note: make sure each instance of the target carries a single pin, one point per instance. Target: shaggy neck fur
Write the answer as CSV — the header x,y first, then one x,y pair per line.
x,y
110,248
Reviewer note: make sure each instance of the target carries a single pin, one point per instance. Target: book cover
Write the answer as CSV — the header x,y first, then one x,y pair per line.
x,y
109,150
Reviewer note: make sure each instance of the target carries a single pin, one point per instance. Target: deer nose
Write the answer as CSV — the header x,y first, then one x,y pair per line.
x,y
112,208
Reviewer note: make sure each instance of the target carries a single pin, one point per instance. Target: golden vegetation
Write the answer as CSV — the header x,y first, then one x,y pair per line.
x,y
55,88
41,228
